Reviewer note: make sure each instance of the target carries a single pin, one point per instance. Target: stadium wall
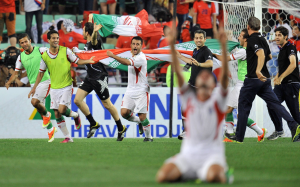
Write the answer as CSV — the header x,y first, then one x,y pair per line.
x,y
18,119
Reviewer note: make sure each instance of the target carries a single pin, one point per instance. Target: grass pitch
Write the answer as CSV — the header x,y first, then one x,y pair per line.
x,y
105,162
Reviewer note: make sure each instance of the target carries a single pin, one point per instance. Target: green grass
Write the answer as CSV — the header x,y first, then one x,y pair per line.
x,y
105,162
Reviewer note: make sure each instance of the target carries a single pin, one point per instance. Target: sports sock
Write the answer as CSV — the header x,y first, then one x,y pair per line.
x,y
132,117
63,126
50,127
146,127
229,123
119,125
45,113
252,125
70,113
91,120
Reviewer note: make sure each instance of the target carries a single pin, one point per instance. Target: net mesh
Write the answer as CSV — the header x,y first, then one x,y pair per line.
x,y
236,15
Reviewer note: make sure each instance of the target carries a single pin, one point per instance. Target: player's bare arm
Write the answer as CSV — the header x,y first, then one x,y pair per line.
x,y
94,35
206,64
123,61
175,62
89,61
219,57
224,70
37,82
183,58
12,79
260,63
288,71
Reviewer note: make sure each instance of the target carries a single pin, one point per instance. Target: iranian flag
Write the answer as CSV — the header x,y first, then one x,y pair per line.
x,y
137,25
156,56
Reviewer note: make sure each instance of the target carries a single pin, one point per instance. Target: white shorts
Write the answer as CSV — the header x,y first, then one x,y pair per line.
x,y
61,96
191,169
138,103
42,91
233,100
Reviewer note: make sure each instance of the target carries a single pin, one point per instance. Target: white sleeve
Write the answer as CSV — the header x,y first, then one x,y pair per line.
x,y
217,8
239,55
71,56
19,65
43,66
138,60
221,99
43,49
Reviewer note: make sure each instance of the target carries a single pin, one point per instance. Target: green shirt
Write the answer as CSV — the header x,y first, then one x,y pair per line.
x,y
59,68
242,67
31,62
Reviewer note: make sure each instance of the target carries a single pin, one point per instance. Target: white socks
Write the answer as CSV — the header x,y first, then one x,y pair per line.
x,y
147,130
229,127
64,130
134,118
73,114
256,128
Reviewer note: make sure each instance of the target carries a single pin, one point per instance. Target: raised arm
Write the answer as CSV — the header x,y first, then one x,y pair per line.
x,y
224,80
123,61
183,58
175,62
94,35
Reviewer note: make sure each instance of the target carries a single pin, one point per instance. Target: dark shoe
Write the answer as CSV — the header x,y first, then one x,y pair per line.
x,y
230,136
93,130
141,129
148,140
181,136
275,135
121,134
296,133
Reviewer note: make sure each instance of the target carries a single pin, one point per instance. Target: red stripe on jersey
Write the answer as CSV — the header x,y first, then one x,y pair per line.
x,y
233,57
132,62
137,71
42,70
186,113
147,100
220,117
48,91
18,69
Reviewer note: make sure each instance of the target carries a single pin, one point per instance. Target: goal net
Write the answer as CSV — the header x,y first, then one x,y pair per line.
x,y
236,15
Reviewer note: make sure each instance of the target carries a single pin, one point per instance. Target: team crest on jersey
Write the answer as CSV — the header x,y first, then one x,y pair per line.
x,y
256,46
292,51
71,39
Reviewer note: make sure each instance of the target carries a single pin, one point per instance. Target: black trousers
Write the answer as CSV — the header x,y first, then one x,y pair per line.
x,y
250,89
290,94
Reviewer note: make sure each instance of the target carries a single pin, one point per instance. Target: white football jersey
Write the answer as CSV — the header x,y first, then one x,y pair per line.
x,y
137,74
203,123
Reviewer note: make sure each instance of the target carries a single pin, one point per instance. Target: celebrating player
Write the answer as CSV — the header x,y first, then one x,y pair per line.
x,y
286,81
202,154
30,60
96,80
57,60
241,56
136,98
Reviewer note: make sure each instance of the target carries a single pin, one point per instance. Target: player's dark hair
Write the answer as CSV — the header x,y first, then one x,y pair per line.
x,y
50,33
137,38
254,23
200,32
89,27
282,30
282,16
58,25
23,35
246,35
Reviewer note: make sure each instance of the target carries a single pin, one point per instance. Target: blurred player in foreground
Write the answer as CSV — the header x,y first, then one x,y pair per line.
x,y
241,56
30,60
202,154
57,60
136,98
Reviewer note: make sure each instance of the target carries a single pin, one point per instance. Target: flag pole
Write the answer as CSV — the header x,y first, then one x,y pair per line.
x,y
172,80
